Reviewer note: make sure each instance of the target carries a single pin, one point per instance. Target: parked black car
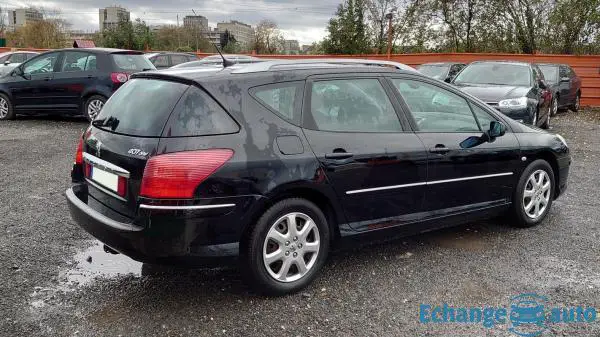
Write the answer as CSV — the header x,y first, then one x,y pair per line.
x,y
68,81
516,89
168,60
276,161
443,71
564,84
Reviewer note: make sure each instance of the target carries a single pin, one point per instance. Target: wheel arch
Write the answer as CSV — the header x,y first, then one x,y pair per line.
x,y
550,158
322,199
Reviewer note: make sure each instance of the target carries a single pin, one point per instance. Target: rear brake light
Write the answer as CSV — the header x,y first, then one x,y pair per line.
x,y
79,153
176,175
119,77
122,186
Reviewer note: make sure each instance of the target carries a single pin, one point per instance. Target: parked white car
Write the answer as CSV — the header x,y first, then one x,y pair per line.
x,y
11,60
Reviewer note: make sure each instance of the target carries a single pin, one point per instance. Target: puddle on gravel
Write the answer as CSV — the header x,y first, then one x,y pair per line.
x,y
90,264
94,263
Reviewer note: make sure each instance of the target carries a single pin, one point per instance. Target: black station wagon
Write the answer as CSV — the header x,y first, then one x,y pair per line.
x,y
274,162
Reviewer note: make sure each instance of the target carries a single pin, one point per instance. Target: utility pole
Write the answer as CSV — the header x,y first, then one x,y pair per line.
x,y
389,16
178,40
196,31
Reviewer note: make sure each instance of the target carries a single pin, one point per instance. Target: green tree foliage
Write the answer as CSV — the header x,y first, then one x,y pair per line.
x,y
348,31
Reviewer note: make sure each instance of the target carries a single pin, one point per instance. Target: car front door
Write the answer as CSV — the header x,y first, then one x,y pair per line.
x,y
77,72
34,89
459,179
376,166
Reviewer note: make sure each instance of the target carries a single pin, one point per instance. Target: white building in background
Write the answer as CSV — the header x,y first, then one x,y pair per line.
x,y
110,17
22,16
243,33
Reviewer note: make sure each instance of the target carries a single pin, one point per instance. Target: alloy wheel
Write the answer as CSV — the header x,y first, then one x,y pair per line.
x,y
291,247
537,194
94,108
534,122
554,106
577,99
3,108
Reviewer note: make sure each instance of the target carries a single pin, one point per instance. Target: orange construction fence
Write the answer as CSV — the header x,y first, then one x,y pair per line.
x,y
586,66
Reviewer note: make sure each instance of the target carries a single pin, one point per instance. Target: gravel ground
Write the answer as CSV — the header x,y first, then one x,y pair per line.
x,y
56,281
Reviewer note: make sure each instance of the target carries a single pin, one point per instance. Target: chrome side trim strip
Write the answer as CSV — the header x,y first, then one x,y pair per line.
x,y
105,190
103,164
383,188
192,207
469,178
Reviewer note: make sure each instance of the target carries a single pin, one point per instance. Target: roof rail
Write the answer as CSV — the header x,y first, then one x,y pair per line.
x,y
273,64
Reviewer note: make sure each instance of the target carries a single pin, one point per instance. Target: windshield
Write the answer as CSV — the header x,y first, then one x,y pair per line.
x,y
132,62
140,107
437,71
495,73
550,73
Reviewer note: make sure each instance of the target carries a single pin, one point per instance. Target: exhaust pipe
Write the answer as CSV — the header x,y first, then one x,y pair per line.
x,y
109,250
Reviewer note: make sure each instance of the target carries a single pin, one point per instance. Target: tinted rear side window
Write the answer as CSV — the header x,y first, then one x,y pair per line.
x,y
132,62
140,107
284,99
197,114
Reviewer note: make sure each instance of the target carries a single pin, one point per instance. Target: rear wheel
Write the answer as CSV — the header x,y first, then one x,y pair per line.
x,y
6,108
287,247
533,195
93,106
576,105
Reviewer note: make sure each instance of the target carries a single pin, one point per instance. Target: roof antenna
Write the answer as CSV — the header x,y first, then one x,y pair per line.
x,y
226,62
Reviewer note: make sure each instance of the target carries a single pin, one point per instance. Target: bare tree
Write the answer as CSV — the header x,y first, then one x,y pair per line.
x,y
267,38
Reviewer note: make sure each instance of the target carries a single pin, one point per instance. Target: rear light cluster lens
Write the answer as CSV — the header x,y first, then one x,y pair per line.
x,y
79,153
177,175
122,186
119,77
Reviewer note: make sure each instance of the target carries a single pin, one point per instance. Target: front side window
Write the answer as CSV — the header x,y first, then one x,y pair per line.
x,y
282,98
42,64
435,109
550,73
437,71
161,61
17,58
484,118
178,59
352,105
495,73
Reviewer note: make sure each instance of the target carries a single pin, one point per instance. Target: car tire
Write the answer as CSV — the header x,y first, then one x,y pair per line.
x,y
531,200
554,106
93,105
266,269
575,106
546,124
6,108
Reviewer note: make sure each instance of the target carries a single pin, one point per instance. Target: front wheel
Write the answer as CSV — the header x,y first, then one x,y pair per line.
x,y
554,106
93,106
533,195
287,247
6,108
576,105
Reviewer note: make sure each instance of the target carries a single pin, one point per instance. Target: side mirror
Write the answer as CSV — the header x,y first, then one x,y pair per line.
x,y
565,79
7,62
542,84
496,130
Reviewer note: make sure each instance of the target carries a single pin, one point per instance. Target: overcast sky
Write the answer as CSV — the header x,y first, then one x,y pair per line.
x,y
301,20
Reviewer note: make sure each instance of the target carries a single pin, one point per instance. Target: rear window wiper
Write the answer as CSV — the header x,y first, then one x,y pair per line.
x,y
111,122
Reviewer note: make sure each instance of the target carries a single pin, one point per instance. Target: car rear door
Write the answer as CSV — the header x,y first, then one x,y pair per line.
x,y
77,72
376,166
565,86
459,178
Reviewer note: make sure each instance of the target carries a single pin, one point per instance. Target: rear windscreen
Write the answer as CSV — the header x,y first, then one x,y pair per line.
x,y
140,107
132,62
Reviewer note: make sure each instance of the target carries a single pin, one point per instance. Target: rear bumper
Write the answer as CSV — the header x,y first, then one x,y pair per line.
x,y
192,237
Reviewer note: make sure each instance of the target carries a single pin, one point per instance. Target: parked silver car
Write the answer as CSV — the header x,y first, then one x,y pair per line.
x,y
10,60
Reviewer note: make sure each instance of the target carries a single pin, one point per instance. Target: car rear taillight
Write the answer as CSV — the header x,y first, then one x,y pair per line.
x,y
177,175
79,153
119,78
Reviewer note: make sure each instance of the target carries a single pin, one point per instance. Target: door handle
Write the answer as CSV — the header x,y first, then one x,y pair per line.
x,y
47,78
339,155
439,148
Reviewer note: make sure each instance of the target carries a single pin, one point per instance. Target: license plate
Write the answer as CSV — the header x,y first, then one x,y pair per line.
x,y
106,179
